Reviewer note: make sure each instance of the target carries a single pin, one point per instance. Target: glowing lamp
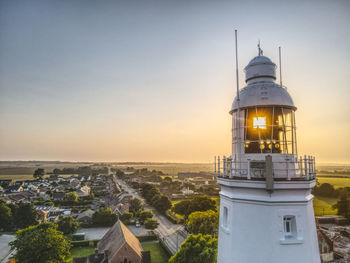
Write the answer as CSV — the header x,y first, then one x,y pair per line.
x,y
259,122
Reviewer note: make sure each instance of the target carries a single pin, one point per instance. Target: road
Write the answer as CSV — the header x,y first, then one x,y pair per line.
x,y
173,235
5,248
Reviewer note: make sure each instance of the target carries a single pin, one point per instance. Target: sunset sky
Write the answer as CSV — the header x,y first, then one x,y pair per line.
x,y
155,80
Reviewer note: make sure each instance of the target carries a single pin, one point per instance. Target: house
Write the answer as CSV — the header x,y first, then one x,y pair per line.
x,y
124,198
86,216
15,188
326,246
58,196
187,191
83,191
120,208
74,183
122,246
17,198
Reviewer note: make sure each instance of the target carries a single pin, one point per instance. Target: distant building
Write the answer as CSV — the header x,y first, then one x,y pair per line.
x,y
83,191
120,208
58,196
86,216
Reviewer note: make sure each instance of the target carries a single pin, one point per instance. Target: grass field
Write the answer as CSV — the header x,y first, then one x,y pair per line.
x,y
25,170
78,252
336,182
324,206
158,255
171,168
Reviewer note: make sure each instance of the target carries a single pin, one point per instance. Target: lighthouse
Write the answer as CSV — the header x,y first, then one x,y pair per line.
x,y
266,210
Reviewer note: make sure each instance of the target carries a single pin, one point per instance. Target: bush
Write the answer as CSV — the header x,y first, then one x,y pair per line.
x,y
151,223
85,243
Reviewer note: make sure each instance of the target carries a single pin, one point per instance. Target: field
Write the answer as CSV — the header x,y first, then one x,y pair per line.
x,y
171,169
336,182
158,255
324,206
24,170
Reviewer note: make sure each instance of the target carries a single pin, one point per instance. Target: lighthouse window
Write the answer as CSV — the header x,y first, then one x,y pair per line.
x,y
268,129
289,225
225,217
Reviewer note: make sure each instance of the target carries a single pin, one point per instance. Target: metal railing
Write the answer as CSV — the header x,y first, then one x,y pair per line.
x,y
303,168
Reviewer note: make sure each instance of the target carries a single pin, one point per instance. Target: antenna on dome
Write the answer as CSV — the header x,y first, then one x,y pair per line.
x,y
279,53
238,152
237,81
260,51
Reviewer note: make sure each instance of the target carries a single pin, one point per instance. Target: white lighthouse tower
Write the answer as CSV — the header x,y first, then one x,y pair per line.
x,y
266,210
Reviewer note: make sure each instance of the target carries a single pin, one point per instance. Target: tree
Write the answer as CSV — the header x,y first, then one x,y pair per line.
x,y
135,205
143,215
343,206
196,249
205,223
56,171
25,215
126,218
104,217
203,203
68,225
199,203
39,173
5,215
71,196
326,190
149,191
183,208
41,244
163,204
151,223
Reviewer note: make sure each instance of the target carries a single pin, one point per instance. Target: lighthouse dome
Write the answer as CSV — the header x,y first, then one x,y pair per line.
x,y
261,90
260,67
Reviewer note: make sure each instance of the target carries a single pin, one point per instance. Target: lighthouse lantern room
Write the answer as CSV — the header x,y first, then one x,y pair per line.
x,y
266,210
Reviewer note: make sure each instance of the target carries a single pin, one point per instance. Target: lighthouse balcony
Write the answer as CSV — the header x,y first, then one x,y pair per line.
x,y
288,168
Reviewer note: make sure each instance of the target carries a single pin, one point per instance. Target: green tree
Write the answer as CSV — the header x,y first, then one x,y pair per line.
x,y
71,196
39,173
135,205
126,218
183,208
163,204
343,206
5,215
151,223
149,191
68,225
104,217
25,215
196,249
41,244
199,203
143,215
205,223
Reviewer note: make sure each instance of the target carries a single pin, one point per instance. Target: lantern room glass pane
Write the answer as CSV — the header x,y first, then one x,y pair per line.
x,y
269,130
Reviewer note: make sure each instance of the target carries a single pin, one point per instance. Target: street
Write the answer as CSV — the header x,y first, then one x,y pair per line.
x,y
173,235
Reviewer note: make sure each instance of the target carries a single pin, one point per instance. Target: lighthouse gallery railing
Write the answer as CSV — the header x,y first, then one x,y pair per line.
x,y
303,168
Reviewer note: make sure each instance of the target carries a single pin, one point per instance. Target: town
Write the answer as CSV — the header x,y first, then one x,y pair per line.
x,y
92,198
